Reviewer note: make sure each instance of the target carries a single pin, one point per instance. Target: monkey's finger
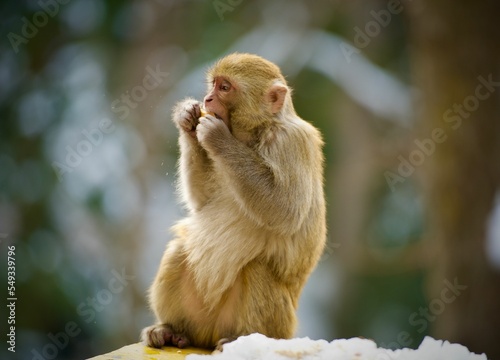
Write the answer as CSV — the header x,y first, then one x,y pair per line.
x,y
212,124
187,125
192,113
197,111
210,117
207,120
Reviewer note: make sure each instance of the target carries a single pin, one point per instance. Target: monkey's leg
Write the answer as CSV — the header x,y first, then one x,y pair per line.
x,y
265,305
165,299
221,342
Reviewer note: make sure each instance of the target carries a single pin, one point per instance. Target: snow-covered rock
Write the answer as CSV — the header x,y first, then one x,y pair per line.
x,y
260,347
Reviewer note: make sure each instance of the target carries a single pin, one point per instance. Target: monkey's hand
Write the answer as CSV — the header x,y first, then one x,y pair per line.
x,y
212,133
186,115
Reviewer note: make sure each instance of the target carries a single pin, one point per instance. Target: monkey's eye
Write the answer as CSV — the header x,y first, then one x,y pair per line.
x,y
225,86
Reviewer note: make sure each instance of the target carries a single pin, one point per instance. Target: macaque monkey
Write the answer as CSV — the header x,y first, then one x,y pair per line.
x,y
251,176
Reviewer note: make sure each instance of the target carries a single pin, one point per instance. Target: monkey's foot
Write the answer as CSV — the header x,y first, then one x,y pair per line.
x,y
223,341
161,335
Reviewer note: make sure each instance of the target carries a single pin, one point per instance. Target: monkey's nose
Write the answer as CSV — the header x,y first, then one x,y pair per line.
x,y
207,99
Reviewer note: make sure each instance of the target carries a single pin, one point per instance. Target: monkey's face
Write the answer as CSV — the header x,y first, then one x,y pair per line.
x,y
221,95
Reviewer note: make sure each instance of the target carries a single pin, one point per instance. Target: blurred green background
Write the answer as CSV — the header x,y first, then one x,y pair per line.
x,y
406,94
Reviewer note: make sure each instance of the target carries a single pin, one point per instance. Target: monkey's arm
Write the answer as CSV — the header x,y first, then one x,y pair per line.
x,y
194,167
194,164
277,187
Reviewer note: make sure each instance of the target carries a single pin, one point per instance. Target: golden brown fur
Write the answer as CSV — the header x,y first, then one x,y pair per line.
x,y
252,180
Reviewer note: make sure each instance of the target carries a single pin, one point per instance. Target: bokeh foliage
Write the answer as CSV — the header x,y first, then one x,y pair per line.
x,y
74,229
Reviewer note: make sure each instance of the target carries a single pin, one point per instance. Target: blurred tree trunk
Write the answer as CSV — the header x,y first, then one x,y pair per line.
x,y
456,63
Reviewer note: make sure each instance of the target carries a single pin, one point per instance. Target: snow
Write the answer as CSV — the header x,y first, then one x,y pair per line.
x,y
260,347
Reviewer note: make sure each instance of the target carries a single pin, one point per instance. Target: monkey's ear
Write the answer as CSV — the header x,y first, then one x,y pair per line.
x,y
276,96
